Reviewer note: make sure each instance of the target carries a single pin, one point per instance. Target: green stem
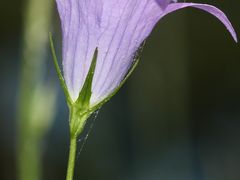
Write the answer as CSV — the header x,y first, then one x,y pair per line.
x,y
77,122
72,157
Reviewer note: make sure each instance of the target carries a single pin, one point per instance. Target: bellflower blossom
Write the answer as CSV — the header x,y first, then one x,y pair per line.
x,y
117,28
100,40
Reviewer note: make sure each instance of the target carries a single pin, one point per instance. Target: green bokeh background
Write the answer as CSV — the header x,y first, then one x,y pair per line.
x,y
176,118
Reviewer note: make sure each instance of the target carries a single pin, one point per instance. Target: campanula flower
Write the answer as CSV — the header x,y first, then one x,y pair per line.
x,y
117,28
100,39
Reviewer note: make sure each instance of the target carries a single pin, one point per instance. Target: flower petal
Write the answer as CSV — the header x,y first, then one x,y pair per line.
x,y
124,26
210,9
127,32
116,27
79,21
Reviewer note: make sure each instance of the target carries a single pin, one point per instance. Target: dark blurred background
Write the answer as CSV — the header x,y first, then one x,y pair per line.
x,y
177,117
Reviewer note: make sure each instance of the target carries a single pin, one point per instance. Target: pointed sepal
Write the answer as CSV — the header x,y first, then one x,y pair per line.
x,y
86,92
80,108
58,70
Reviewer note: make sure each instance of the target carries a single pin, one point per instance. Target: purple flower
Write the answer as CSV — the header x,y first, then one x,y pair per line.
x,y
117,28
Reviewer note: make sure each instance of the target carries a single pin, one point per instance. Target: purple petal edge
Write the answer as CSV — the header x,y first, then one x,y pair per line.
x,y
208,8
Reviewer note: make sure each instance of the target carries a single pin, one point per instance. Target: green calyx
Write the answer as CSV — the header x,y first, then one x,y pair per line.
x,y
81,109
